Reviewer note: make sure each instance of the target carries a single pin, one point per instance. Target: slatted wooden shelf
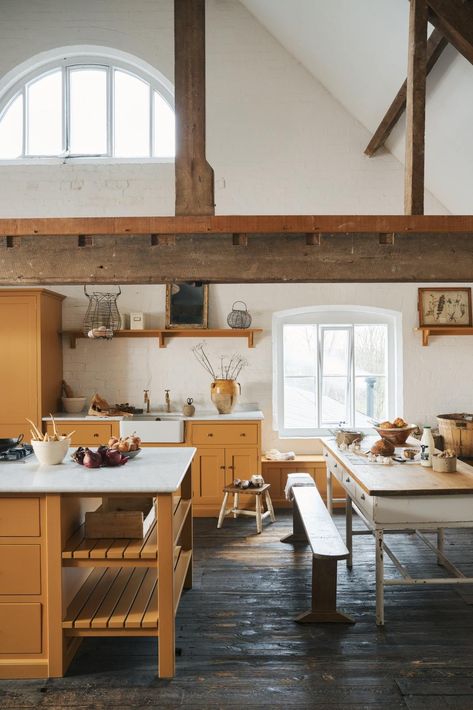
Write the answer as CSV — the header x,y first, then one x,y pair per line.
x,y
82,552
121,600
163,334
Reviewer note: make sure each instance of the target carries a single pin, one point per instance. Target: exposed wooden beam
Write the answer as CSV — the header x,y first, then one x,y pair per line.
x,y
343,257
435,46
194,176
415,109
233,224
454,19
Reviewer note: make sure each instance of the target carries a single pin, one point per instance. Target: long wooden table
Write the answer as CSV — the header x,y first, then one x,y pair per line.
x,y
399,498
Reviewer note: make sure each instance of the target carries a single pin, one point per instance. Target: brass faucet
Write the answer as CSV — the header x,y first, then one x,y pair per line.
x,y
146,400
168,401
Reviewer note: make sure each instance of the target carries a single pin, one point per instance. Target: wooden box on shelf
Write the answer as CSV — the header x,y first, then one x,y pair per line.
x,y
120,518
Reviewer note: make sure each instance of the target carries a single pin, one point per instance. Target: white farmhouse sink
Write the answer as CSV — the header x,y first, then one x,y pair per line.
x,y
168,431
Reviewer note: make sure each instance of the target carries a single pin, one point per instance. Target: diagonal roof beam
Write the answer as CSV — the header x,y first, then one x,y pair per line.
x,y
454,19
435,46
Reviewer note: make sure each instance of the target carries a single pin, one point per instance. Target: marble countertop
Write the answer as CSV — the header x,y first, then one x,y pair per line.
x,y
154,470
252,413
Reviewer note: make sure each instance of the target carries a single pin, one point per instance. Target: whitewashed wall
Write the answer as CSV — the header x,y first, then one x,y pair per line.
x,y
278,142
437,379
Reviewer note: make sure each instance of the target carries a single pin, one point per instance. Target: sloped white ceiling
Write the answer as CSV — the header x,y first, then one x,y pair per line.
x,y
358,50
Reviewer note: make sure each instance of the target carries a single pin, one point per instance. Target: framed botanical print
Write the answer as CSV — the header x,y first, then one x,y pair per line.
x,y
445,306
187,305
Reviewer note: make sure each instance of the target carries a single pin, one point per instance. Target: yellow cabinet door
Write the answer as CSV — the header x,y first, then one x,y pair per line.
x,y
208,476
241,463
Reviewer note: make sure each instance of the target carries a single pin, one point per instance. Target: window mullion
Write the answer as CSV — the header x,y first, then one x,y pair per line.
x,y
351,374
25,125
110,111
66,111
151,122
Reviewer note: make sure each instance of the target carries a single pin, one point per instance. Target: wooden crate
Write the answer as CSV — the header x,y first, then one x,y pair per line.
x,y
120,518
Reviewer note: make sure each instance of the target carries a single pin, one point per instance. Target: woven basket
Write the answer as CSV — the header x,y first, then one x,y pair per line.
x,y
457,432
444,465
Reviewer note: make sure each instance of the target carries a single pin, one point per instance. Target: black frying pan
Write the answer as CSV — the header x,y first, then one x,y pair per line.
x,y
6,444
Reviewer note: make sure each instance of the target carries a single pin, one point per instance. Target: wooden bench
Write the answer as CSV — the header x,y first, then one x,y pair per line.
x,y
312,524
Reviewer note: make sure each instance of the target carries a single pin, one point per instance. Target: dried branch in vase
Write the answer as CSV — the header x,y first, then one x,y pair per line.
x,y
229,367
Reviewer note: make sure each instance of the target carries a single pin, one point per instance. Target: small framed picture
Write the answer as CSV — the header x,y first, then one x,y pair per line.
x,y
445,306
187,305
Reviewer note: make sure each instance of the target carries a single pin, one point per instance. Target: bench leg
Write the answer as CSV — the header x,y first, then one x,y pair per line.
x,y
324,595
349,532
298,532
222,511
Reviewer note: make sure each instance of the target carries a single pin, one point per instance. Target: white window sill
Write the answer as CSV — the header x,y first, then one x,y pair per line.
x,y
84,161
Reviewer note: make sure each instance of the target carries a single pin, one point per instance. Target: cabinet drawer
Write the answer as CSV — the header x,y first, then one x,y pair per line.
x,y
225,434
20,569
364,501
19,517
84,434
20,628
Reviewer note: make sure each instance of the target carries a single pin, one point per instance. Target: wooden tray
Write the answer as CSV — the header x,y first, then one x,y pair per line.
x,y
120,518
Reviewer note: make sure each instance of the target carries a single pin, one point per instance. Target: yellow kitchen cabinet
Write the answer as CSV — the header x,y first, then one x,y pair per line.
x,y
225,451
86,433
30,358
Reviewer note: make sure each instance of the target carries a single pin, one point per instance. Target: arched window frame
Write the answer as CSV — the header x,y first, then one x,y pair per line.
x,y
15,82
341,316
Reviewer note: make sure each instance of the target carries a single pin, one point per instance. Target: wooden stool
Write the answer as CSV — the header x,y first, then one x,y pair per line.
x,y
258,493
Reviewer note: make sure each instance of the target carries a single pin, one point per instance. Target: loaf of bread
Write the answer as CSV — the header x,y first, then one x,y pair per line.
x,y
382,447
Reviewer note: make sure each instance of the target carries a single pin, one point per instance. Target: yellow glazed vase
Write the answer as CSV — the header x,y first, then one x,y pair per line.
x,y
224,394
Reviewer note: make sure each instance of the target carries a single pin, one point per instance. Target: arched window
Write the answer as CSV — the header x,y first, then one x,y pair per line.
x,y
335,364
86,105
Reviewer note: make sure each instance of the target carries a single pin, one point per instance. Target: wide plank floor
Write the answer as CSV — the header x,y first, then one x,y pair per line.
x,y
238,645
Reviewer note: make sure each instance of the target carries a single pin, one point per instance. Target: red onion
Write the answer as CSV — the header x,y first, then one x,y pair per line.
x,y
114,458
92,459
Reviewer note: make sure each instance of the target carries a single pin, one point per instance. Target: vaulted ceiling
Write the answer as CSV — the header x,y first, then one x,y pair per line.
x,y
358,50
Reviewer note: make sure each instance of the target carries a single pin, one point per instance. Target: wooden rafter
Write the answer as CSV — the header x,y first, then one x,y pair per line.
x,y
435,46
194,176
454,19
415,109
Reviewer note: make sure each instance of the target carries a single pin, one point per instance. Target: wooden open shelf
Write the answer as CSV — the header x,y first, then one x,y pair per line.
x,y
116,600
427,331
164,334
82,552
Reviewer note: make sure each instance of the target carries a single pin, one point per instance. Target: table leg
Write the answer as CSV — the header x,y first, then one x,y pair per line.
x,y
235,504
222,510
379,578
259,522
165,587
440,543
329,492
349,532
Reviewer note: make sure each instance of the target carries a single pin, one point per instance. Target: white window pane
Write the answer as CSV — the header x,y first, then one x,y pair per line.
x,y
11,130
300,403
334,404
132,116
88,111
300,350
335,352
370,400
44,115
371,348
164,128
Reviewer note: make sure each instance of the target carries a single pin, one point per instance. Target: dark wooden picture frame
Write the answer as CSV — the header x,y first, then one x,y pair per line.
x,y
444,306
187,305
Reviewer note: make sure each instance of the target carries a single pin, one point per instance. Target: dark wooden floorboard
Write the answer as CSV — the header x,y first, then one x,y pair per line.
x,y
238,645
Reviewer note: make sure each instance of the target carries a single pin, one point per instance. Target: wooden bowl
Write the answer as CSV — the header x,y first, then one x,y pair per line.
x,y
398,437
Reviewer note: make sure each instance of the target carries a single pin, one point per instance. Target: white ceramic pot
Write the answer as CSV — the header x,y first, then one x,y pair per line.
x,y
51,453
73,405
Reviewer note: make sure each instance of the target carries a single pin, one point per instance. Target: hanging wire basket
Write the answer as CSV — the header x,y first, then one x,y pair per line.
x,y
102,318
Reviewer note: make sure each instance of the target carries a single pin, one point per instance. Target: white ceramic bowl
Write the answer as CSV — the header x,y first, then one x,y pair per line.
x,y
73,405
50,453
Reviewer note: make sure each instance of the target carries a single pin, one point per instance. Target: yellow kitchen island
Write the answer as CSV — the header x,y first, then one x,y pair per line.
x,y
56,586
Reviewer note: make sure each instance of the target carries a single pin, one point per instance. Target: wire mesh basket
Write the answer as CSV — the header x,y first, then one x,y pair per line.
x,y
102,318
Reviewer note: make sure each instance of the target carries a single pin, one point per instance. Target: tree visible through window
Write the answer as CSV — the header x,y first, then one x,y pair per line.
x,y
86,110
